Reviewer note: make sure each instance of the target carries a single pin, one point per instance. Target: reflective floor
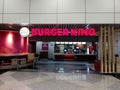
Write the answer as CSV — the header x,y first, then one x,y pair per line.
x,y
64,67
58,76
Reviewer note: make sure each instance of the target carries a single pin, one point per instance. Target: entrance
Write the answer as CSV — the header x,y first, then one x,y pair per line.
x,y
65,42
66,46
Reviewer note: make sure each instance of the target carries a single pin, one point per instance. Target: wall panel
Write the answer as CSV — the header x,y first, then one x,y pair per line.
x,y
38,47
117,5
43,6
100,5
71,18
72,6
1,6
100,18
60,11
16,6
16,18
117,18
0,18
43,18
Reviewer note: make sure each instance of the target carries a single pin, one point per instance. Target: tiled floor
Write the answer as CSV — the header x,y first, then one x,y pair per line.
x,y
22,80
65,66
58,77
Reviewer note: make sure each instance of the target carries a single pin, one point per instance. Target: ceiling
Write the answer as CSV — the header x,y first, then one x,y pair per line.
x,y
16,27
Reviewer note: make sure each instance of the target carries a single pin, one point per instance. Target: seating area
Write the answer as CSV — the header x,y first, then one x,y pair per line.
x,y
17,61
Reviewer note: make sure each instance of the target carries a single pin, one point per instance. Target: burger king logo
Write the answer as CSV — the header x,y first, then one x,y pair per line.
x,y
24,32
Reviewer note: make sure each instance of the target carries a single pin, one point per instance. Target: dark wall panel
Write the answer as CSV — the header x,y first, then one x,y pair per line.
x,y
83,38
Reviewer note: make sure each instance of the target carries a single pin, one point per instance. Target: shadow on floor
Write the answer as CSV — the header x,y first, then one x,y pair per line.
x,y
3,71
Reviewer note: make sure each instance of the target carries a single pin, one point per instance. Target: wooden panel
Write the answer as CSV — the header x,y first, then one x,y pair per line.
x,y
31,57
101,48
118,64
109,51
113,57
118,69
105,53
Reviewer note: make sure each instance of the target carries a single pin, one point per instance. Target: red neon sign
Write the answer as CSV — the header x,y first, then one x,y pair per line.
x,y
63,32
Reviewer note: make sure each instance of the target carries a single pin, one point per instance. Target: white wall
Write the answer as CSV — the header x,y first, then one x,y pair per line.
x,y
16,18
117,6
106,18
1,6
60,11
0,18
43,18
71,18
102,6
71,6
38,47
1,10
43,6
117,18
16,6
50,48
117,43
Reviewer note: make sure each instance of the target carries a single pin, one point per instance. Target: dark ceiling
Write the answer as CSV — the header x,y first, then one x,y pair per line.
x,y
16,27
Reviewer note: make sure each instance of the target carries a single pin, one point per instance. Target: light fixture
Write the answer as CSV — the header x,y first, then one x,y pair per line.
x,y
83,42
24,24
70,42
74,42
79,42
62,42
66,42
57,42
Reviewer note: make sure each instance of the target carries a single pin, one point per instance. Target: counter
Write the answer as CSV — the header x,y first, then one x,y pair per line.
x,y
74,57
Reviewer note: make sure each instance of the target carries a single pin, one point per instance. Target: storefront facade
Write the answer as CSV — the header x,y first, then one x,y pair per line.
x,y
64,40
104,47
91,43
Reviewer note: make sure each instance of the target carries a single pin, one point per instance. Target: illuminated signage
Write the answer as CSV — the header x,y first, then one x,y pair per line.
x,y
63,32
24,32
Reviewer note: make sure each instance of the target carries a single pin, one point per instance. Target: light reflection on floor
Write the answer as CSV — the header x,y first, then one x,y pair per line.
x,y
65,67
58,76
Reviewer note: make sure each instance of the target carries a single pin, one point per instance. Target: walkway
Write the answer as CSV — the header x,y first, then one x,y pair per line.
x,y
58,76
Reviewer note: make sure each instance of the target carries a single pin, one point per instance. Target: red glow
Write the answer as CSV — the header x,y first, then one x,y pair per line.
x,y
22,41
10,38
69,56
12,43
